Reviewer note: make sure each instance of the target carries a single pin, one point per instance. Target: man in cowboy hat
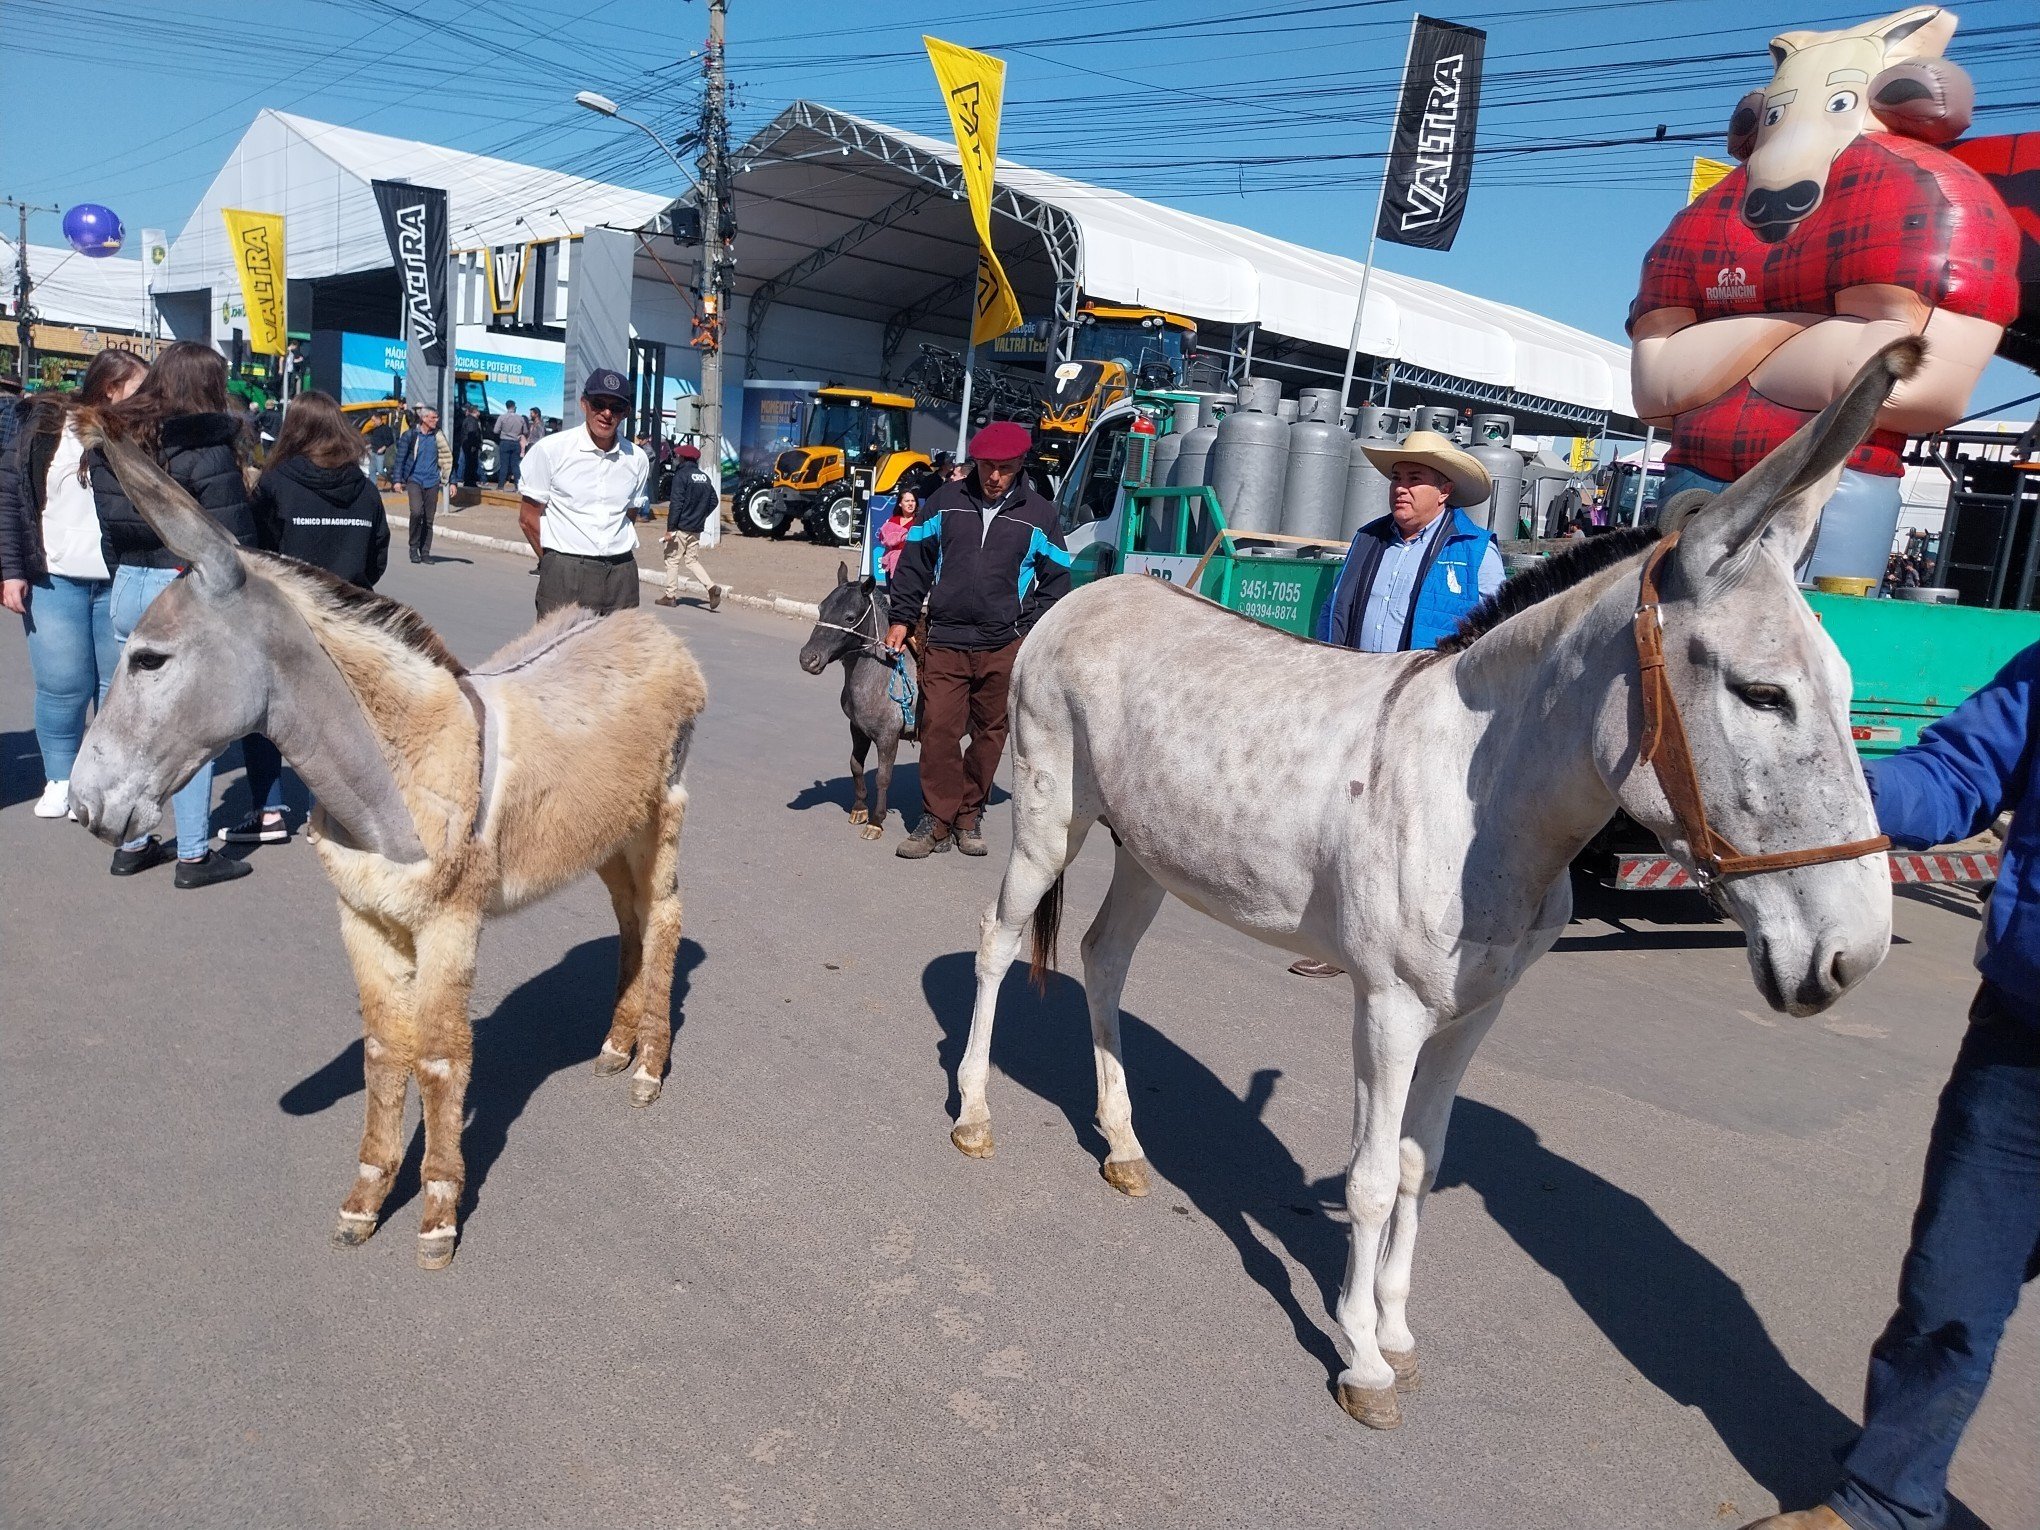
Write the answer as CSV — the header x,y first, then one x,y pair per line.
x,y
1414,574
987,557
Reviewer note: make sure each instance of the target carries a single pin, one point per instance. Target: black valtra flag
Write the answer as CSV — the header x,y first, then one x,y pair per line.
x,y
414,219
1431,165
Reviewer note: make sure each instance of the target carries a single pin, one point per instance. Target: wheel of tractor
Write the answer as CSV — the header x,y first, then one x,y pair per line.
x,y
758,512
840,522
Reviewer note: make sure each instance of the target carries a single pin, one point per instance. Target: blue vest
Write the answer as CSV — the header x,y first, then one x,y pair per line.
x,y
1437,609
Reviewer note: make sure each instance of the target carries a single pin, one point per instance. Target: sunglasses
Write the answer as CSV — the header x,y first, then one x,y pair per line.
x,y
606,406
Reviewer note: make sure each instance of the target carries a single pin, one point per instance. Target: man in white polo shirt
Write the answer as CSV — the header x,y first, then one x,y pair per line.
x,y
579,488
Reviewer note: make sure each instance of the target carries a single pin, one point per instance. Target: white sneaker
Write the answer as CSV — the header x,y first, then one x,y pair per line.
x,y
55,801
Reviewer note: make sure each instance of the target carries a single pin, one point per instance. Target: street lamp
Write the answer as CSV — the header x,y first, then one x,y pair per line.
x,y
604,107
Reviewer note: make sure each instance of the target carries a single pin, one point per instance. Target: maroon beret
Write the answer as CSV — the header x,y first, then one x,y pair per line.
x,y
1001,441
692,453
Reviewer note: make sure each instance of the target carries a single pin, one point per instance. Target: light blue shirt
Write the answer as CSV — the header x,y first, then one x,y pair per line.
x,y
1387,611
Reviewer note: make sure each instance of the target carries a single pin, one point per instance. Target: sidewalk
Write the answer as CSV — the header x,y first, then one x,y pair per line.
x,y
789,577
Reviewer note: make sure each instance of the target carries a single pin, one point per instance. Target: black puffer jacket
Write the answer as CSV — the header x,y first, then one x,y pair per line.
x,y
985,586
331,517
30,430
198,450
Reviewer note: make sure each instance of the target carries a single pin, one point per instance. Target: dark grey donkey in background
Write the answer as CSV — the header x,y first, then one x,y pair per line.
x,y
851,630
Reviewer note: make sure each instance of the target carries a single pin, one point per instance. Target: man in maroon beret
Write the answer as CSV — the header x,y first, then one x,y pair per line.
x,y
986,559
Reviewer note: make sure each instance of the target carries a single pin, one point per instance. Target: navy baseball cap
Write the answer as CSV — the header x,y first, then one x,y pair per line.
x,y
606,382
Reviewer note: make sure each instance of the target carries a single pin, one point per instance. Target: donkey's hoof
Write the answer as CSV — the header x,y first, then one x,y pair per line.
x,y
644,1088
1404,1363
1128,1176
435,1248
352,1231
872,831
609,1060
973,1139
859,815
1373,1406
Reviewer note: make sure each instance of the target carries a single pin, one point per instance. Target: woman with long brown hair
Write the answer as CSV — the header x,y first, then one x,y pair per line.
x,y
53,572
179,414
315,504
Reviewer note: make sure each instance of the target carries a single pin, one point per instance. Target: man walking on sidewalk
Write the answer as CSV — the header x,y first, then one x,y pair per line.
x,y
424,465
988,558
695,502
579,489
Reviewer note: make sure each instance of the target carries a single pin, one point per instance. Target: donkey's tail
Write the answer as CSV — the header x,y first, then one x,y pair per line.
x,y
1047,921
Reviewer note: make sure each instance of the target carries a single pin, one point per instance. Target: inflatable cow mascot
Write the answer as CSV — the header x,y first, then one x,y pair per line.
x,y
1846,226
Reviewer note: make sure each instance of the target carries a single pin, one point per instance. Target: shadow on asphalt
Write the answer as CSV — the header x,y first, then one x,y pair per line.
x,y
906,788
1209,1143
1955,900
547,1025
21,777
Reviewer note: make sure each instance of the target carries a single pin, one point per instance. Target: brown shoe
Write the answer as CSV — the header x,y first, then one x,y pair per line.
x,y
667,600
1818,1518
1306,967
714,596
970,841
926,840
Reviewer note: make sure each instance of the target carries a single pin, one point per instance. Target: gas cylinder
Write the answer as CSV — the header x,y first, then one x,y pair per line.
x,y
1314,487
1366,488
1491,449
1250,460
1192,461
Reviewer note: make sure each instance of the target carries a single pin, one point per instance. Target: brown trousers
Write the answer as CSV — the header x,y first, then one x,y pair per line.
x,y
962,691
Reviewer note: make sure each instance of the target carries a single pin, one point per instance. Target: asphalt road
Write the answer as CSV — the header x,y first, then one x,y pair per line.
x,y
1669,1226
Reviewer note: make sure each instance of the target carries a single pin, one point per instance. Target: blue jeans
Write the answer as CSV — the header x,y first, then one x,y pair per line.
x,y
1975,1241
507,455
134,591
72,653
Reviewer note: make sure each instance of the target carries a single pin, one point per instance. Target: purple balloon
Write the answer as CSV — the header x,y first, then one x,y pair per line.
x,y
93,231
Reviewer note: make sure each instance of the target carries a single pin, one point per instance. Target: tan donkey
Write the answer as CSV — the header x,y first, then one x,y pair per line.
x,y
445,795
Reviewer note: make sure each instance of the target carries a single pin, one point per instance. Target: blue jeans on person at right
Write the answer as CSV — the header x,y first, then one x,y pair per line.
x,y
1975,1242
134,591
71,652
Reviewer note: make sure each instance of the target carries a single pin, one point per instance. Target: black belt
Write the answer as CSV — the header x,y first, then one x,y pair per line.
x,y
610,558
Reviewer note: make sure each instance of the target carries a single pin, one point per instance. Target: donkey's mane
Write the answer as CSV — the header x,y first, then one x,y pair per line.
x,y
356,607
1561,571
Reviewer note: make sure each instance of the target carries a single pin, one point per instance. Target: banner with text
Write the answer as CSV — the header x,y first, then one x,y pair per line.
x,y
414,221
256,240
1431,166
973,89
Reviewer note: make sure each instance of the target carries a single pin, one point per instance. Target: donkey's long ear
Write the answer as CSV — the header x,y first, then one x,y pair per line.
x,y
212,555
1782,496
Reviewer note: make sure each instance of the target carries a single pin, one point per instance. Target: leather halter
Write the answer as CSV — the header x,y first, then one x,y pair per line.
x,y
1663,747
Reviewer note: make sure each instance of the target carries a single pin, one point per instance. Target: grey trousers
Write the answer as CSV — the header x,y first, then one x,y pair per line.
x,y
600,584
424,503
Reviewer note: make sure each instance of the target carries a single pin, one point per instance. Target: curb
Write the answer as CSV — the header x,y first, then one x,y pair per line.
x,y
777,604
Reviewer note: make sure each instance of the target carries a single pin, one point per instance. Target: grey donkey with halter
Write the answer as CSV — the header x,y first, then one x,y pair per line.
x,y
878,695
445,795
1411,817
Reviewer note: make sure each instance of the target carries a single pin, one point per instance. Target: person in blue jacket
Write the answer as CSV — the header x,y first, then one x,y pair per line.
x,y
1414,574
1976,1233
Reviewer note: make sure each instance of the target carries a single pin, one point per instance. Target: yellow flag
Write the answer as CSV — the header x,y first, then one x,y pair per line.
x,y
1707,174
1582,453
973,88
256,240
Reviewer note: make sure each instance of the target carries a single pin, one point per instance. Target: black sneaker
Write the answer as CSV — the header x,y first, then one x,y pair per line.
x,y
971,841
259,829
926,840
210,868
153,853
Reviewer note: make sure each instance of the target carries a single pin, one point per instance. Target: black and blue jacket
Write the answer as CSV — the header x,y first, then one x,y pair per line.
x,y
984,586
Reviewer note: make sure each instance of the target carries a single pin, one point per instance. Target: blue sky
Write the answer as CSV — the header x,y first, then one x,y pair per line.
x,y
1236,112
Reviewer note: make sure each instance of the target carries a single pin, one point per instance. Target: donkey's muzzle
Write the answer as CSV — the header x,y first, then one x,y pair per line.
x,y
1775,213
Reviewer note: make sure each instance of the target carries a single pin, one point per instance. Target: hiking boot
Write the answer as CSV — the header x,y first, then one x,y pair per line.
x,y
714,596
210,868
153,852
1306,967
926,840
971,841
259,829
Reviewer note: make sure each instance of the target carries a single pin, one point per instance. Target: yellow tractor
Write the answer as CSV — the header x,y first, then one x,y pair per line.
x,y
1116,349
853,445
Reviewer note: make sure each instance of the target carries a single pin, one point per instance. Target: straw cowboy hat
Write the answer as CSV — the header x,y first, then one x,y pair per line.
x,y
1426,448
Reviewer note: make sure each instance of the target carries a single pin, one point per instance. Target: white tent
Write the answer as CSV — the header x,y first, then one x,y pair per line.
x,y
317,175
79,292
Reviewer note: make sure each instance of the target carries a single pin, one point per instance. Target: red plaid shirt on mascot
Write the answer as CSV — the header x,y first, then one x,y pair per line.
x,y
1845,227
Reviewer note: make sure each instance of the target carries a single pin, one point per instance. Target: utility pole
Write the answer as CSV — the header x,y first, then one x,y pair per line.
x,y
718,231
24,290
